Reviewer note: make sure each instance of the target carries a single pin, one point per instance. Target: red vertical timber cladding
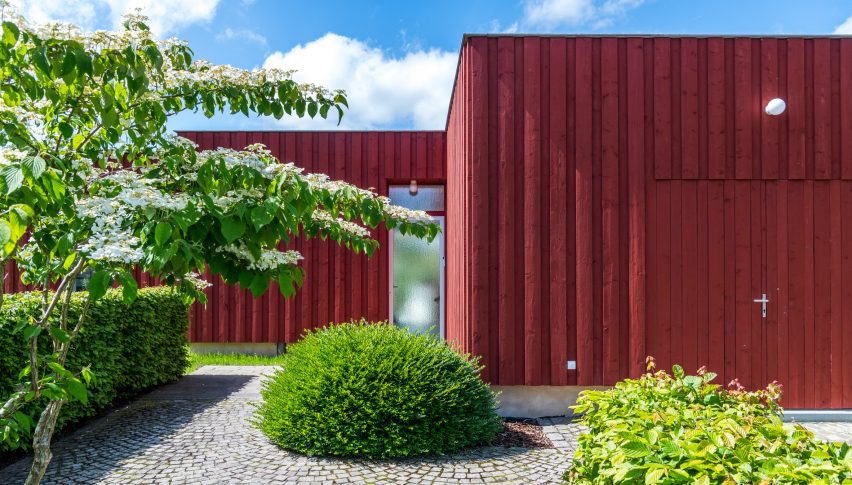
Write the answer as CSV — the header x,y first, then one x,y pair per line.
x,y
532,215
557,205
610,213
509,371
642,200
583,212
335,278
636,205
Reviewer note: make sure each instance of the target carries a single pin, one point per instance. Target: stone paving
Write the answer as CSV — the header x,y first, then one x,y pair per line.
x,y
197,431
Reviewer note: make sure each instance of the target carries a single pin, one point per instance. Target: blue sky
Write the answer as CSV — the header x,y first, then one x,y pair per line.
x,y
396,59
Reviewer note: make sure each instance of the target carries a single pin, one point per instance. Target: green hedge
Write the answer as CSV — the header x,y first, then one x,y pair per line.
x,y
376,391
130,348
677,428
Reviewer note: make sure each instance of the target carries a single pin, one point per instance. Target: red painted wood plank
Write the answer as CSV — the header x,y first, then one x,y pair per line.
x,y
690,117
744,113
662,109
676,268
795,386
846,110
690,310
372,268
743,281
822,108
558,210
822,293
782,300
610,198
716,275
796,108
770,125
636,206
664,274
583,210
757,323
532,212
809,321
770,342
716,109
731,296
836,304
507,363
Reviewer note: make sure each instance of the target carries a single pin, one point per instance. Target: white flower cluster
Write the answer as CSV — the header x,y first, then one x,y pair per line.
x,y
9,154
235,196
404,214
197,281
321,181
326,220
269,258
111,239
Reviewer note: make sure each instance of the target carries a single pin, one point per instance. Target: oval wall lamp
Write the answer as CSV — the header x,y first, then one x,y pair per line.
x,y
775,107
412,187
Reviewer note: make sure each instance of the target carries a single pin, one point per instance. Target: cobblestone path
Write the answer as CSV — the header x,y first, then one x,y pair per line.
x,y
196,431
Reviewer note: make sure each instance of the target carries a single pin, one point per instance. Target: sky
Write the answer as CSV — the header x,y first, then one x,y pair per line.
x,y
397,59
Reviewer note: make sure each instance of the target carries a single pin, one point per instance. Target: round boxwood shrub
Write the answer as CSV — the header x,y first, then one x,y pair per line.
x,y
376,391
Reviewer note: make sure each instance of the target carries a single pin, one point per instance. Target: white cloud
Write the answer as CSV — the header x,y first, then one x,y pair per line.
x,y
553,13
845,28
383,91
243,35
166,16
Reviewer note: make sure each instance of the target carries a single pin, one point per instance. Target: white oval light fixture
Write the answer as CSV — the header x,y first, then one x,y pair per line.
x,y
775,107
412,187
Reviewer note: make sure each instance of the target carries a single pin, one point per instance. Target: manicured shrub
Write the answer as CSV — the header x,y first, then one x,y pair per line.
x,y
677,428
129,348
376,391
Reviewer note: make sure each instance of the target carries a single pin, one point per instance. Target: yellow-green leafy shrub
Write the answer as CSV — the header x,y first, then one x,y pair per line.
x,y
130,348
678,428
376,391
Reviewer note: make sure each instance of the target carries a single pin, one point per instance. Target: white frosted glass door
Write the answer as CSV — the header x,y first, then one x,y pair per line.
x,y
417,266
418,289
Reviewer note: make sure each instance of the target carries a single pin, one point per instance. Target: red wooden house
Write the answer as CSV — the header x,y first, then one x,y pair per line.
x,y
606,198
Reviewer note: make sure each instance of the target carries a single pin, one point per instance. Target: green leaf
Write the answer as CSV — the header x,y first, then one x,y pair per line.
x,y
24,421
40,60
677,371
162,233
636,449
14,177
87,374
261,216
129,288
35,165
10,33
99,283
655,475
31,331
78,390
232,228
59,334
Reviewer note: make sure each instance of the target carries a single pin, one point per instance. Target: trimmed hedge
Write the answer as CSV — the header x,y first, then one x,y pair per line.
x,y
130,348
376,391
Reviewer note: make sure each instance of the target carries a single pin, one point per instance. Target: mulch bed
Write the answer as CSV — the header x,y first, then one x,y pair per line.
x,y
521,433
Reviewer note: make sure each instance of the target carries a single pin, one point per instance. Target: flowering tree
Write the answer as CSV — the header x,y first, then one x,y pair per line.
x,y
91,180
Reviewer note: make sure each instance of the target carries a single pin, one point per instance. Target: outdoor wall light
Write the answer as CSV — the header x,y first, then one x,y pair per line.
x,y
775,107
412,187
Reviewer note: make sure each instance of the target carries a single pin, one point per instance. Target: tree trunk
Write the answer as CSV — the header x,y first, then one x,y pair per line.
x,y
41,441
